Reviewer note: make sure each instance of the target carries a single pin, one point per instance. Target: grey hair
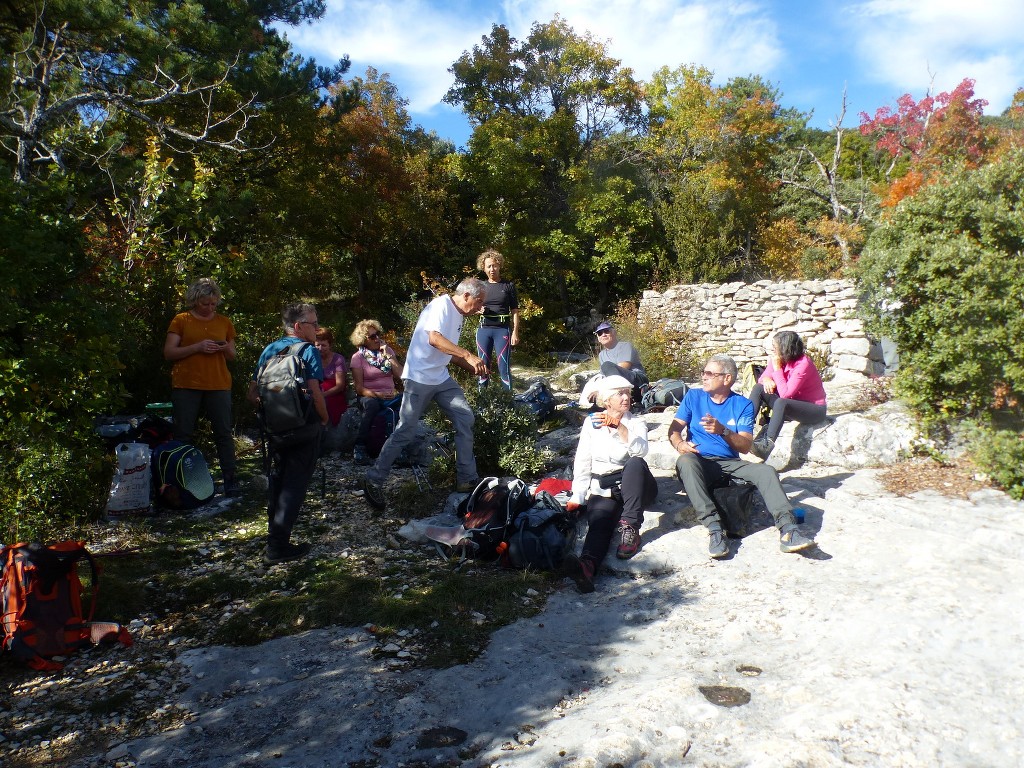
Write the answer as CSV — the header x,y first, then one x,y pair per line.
x,y
200,289
727,363
293,313
475,288
790,346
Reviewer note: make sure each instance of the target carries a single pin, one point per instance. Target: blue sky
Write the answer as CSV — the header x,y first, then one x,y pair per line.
x,y
876,49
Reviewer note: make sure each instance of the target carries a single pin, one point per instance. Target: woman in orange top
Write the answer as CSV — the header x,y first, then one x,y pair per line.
x,y
199,343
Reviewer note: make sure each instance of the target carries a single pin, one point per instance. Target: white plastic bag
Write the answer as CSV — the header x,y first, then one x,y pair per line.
x,y
129,491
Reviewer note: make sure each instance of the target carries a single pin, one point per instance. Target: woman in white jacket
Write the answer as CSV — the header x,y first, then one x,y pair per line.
x,y
611,480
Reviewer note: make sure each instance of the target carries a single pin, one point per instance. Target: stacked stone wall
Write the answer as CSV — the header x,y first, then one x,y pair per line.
x,y
741,318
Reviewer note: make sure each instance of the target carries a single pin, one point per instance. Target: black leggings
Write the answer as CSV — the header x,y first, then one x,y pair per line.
x,y
785,410
639,489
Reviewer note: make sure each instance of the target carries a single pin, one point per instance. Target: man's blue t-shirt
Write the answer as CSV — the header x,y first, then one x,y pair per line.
x,y
310,356
737,413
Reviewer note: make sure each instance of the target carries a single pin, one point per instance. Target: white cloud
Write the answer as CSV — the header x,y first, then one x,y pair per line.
x,y
414,41
729,38
904,44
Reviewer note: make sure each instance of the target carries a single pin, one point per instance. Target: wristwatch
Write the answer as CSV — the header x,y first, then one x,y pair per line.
x,y
725,432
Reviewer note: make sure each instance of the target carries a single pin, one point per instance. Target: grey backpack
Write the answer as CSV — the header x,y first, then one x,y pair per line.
x,y
286,408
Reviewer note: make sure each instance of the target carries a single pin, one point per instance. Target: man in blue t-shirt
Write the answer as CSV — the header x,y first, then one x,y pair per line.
x,y
720,426
292,464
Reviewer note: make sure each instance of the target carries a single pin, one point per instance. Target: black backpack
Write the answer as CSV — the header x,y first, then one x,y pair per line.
x,y
662,394
541,535
488,513
287,416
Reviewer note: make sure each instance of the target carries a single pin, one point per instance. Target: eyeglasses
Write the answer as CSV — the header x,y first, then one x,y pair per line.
x,y
711,374
605,332
373,336
309,322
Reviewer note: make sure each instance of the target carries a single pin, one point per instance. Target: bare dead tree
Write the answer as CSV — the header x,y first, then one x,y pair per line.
x,y
829,190
54,83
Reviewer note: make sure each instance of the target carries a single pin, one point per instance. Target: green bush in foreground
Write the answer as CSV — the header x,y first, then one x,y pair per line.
x,y
945,279
1000,455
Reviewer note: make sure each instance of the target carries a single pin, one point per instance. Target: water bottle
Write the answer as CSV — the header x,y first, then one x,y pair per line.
x,y
798,514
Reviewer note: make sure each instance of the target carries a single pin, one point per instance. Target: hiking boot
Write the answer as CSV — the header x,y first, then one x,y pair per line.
x,y
285,553
718,547
794,541
580,570
762,447
629,545
374,494
360,456
231,486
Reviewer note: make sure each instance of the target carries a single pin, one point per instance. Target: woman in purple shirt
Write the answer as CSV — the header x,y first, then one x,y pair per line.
x,y
792,388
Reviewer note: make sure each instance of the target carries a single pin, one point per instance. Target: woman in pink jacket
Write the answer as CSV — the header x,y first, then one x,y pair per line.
x,y
792,388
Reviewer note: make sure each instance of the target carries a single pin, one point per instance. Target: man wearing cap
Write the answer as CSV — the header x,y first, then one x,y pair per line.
x,y
720,426
620,358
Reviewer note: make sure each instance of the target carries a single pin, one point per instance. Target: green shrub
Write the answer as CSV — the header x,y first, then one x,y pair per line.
x,y
999,453
945,279
504,436
664,353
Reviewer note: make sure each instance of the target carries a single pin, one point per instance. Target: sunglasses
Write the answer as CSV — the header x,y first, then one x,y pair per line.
x,y
373,336
710,374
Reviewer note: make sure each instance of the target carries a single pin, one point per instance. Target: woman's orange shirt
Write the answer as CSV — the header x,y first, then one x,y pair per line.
x,y
201,371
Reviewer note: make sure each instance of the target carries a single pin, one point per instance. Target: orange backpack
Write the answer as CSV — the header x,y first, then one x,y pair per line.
x,y
41,596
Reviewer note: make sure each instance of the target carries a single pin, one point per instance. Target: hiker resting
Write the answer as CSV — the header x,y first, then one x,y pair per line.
x,y
620,358
719,426
610,481
792,388
376,372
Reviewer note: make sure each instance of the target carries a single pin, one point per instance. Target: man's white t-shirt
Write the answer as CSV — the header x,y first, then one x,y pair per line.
x,y
424,363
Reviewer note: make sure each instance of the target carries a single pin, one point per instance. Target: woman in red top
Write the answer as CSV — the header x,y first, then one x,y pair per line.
x,y
199,343
792,388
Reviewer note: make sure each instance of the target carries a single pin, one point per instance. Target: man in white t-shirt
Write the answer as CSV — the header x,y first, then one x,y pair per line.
x,y
434,345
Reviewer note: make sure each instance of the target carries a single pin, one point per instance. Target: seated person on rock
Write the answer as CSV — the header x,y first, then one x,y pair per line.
x,y
720,425
792,388
612,479
620,358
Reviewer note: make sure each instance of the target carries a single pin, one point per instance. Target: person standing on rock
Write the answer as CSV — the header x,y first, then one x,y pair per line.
x,y
620,358
292,462
499,325
433,346
610,477
720,426
792,388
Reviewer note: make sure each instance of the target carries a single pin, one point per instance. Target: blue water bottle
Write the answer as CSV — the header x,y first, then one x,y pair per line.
x,y
798,513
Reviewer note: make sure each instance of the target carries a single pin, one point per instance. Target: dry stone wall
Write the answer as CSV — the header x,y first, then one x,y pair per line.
x,y
741,318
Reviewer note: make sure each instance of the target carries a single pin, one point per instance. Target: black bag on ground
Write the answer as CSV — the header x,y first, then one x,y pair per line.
x,y
735,505
662,394
542,535
537,399
489,511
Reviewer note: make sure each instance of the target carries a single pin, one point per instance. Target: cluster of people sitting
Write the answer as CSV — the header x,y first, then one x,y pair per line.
x,y
612,484
712,427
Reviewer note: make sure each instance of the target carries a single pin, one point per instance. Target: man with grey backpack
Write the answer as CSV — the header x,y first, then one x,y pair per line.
x,y
286,391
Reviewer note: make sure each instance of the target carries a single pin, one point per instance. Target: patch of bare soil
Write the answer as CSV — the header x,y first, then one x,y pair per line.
x,y
957,477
